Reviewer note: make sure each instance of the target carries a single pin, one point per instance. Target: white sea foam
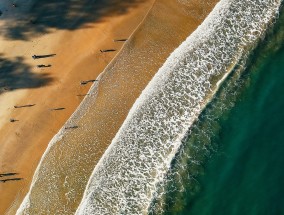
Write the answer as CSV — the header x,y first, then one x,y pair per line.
x,y
126,178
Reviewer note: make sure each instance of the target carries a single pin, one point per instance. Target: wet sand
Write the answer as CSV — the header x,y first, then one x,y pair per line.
x,y
76,40
67,164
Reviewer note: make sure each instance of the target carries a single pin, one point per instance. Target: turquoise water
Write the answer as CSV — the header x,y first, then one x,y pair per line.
x,y
238,143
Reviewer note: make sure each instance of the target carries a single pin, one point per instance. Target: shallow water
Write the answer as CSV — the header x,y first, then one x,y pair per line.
x,y
128,177
244,152
61,176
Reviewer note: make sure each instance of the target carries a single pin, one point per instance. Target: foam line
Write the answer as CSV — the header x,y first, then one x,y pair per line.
x,y
125,179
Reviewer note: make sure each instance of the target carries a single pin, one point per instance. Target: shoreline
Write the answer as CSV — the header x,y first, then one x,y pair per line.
x,y
20,152
117,91
137,140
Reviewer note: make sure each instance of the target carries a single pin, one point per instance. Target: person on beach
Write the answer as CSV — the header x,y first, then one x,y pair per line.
x,y
42,65
107,50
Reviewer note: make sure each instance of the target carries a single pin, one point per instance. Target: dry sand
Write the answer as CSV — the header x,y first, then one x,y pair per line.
x,y
76,38
68,163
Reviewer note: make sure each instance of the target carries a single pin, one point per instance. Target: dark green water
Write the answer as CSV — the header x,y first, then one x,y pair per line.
x,y
248,177
238,148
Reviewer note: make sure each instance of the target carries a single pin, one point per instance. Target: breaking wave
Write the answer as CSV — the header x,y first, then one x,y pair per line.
x,y
126,179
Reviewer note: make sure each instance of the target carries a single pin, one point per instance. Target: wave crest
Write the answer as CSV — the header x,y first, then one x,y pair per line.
x,y
126,178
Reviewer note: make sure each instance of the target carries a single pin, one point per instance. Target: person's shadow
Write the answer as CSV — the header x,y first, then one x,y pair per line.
x,y
15,74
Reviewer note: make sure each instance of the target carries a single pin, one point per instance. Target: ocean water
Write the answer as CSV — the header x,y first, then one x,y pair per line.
x,y
238,143
137,173
133,173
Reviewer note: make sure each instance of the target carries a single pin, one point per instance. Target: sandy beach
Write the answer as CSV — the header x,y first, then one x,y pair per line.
x,y
70,72
66,166
75,36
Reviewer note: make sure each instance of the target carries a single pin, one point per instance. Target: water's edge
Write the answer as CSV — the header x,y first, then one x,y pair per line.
x,y
126,178
185,181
